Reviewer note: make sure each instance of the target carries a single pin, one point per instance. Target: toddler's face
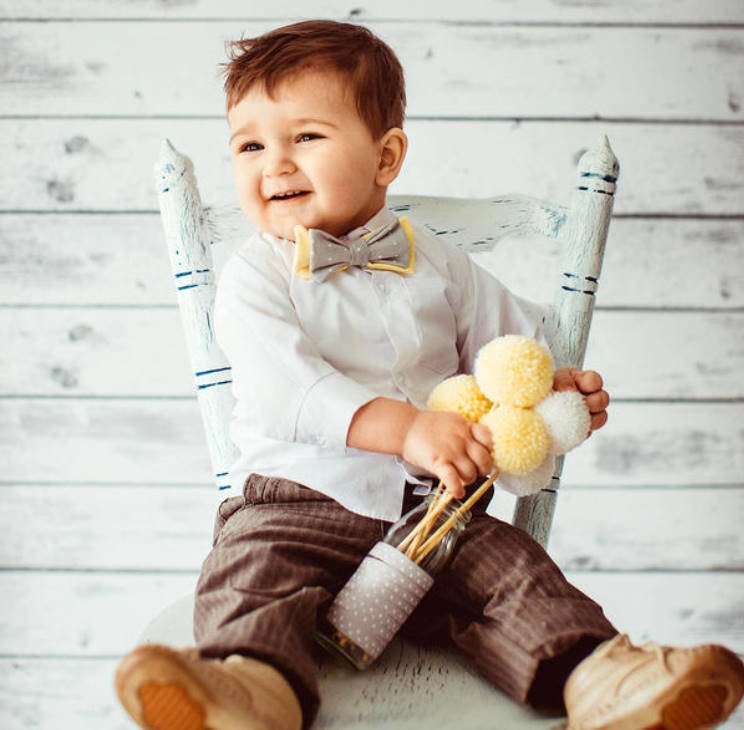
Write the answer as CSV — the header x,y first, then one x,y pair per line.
x,y
304,157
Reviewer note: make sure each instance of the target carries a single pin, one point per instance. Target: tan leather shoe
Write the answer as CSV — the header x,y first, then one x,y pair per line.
x,y
650,687
175,689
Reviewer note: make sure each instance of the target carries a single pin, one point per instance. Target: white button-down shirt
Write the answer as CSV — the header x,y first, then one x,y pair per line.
x,y
305,356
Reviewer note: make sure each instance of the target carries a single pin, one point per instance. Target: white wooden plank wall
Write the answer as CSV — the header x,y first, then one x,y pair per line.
x,y
105,484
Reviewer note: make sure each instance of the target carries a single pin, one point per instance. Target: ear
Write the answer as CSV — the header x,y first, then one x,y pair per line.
x,y
392,150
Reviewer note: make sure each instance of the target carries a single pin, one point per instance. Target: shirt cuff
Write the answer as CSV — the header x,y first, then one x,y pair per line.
x,y
327,409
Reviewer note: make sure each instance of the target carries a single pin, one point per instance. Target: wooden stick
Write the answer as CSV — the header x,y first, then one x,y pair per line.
x,y
437,506
411,536
436,538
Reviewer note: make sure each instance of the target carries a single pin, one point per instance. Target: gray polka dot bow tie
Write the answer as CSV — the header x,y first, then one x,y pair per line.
x,y
318,254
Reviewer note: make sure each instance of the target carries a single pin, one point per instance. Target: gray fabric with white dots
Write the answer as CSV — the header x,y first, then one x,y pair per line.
x,y
378,598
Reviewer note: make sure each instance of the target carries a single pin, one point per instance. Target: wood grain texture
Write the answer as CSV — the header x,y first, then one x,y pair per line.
x,y
82,351
150,527
188,243
670,169
90,69
567,323
90,480
100,614
482,11
161,441
99,260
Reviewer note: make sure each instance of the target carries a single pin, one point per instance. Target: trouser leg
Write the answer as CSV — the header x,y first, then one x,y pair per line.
x,y
514,613
281,553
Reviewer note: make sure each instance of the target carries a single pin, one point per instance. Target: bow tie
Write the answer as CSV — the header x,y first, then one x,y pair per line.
x,y
318,254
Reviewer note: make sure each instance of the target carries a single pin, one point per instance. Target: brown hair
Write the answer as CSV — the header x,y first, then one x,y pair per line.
x,y
370,65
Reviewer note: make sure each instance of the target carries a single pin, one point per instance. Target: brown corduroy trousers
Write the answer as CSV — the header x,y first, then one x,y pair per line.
x,y
282,551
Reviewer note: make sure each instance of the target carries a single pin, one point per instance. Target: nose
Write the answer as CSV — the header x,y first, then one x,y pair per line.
x,y
277,162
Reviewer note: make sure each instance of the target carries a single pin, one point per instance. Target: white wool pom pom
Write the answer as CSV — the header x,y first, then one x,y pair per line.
x,y
567,418
525,484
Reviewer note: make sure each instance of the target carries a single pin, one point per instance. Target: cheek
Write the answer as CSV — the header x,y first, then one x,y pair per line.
x,y
246,185
349,177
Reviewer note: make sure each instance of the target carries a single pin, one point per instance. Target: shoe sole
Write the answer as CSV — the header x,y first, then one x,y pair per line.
x,y
156,688
700,701
169,707
159,690
695,708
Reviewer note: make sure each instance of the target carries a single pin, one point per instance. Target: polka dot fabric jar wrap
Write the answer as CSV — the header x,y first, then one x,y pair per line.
x,y
377,600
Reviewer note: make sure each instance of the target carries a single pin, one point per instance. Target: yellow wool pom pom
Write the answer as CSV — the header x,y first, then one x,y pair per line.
x,y
459,394
520,438
514,370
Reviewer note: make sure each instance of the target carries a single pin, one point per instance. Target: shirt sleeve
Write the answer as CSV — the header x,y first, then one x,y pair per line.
x,y
282,385
485,308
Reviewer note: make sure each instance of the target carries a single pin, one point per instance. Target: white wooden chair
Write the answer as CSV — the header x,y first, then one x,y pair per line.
x,y
409,687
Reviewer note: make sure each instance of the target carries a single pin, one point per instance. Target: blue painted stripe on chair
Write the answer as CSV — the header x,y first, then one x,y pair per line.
x,y
190,273
225,486
222,474
216,370
569,275
210,385
606,178
596,190
578,291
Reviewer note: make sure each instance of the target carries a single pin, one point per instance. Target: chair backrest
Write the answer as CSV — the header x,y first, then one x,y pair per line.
x,y
192,231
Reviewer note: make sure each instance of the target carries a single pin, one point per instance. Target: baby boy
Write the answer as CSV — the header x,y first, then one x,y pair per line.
x,y
332,363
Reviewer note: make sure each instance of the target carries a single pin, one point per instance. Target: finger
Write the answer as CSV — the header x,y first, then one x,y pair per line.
x,y
588,381
565,379
466,469
451,479
481,457
599,420
597,402
482,434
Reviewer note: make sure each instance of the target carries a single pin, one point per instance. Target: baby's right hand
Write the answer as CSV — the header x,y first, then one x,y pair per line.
x,y
451,447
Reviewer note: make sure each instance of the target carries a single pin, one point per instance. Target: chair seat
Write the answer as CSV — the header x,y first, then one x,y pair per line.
x,y
408,688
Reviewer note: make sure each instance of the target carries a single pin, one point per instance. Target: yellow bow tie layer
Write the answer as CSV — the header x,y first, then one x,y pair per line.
x,y
390,248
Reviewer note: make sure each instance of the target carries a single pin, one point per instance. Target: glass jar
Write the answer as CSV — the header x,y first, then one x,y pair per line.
x,y
440,555
388,585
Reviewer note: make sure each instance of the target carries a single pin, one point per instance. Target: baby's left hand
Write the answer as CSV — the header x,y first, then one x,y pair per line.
x,y
589,383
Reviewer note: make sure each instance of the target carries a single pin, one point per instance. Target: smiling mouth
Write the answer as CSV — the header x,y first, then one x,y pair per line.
x,y
290,195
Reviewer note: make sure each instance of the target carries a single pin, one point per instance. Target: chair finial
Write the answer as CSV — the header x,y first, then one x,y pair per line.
x,y
171,164
167,148
599,161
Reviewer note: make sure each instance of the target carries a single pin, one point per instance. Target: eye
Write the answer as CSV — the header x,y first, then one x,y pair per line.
x,y
250,147
308,136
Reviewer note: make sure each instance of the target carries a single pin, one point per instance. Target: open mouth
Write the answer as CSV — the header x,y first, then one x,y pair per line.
x,y
290,195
